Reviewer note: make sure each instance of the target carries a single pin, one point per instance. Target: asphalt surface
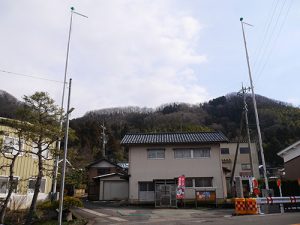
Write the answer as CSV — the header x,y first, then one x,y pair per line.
x,y
99,214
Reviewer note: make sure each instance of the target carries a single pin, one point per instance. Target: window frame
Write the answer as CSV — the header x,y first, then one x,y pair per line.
x,y
227,152
156,151
15,145
209,179
205,153
243,150
46,151
193,179
7,182
31,190
246,166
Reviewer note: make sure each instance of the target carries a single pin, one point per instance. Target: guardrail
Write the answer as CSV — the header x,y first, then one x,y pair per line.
x,y
278,200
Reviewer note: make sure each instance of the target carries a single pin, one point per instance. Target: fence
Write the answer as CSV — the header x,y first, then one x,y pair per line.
x,y
252,206
284,202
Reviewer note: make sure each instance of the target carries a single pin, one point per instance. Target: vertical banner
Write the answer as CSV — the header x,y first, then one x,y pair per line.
x,y
180,187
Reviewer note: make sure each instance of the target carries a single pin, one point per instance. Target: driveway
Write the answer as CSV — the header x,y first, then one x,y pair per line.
x,y
99,214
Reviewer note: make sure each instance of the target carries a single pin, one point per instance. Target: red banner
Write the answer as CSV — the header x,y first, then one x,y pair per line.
x,y
180,187
278,182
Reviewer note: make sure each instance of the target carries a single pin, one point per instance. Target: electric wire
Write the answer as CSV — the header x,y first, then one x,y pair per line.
x,y
31,76
259,48
269,40
270,51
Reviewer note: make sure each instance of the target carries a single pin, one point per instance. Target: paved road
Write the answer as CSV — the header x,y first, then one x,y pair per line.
x,y
128,216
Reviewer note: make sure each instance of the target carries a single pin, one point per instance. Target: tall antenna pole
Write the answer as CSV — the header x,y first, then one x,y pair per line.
x,y
255,109
54,181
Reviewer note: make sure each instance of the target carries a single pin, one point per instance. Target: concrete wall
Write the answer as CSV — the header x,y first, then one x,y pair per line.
x,y
143,169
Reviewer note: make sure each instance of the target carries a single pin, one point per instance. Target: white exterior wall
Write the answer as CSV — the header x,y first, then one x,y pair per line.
x,y
143,169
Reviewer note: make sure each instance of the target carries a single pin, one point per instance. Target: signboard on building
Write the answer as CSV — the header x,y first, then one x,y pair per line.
x,y
206,196
180,187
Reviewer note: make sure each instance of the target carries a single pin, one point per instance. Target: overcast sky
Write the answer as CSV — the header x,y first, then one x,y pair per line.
x,y
146,53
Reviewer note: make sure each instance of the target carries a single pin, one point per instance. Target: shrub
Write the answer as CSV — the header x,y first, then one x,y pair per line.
x,y
69,202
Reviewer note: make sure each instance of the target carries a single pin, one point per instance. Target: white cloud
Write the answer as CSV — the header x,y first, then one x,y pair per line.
x,y
126,53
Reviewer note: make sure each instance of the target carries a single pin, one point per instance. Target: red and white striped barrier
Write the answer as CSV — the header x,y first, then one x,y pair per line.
x,y
277,200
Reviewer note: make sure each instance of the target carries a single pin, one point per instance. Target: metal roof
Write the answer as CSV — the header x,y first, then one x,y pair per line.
x,y
174,138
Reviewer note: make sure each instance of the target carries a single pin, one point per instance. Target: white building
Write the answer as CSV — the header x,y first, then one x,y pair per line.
x,y
157,160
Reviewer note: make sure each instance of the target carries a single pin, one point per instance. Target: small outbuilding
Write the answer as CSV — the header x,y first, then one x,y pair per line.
x,y
107,181
291,158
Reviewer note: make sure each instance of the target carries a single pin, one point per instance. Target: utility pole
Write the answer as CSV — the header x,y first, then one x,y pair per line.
x,y
243,92
62,184
103,139
255,108
236,150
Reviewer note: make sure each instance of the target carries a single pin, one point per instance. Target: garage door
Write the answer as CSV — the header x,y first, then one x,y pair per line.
x,y
115,190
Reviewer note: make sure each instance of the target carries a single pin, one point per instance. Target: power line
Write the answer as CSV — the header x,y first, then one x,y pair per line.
x,y
31,76
259,48
274,42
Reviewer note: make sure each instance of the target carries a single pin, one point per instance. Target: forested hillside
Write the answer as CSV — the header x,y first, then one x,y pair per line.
x,y
280,124
8,105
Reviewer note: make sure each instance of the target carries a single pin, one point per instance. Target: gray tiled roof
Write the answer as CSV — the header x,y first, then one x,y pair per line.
x,y
174,138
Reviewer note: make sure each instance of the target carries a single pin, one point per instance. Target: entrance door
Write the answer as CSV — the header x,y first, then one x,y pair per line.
x,y
165,193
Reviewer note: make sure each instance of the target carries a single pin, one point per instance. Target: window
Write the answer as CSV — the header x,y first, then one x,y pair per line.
x,y
182,153
4,184
102,171
224,151
146,186
200,153
146,191
191,153
203,182
198,182
246,166
45,151
11,145
31,185
156,153
189,182
244,150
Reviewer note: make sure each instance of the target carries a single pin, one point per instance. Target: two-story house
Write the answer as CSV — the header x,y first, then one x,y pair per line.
x,y
243,162
156,160
26,165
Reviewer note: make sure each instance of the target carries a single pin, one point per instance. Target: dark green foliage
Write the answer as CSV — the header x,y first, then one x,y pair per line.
x,y
280,124
8,105
69,202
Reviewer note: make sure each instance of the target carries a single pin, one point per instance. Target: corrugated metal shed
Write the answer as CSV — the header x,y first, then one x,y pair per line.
x,y
174,138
